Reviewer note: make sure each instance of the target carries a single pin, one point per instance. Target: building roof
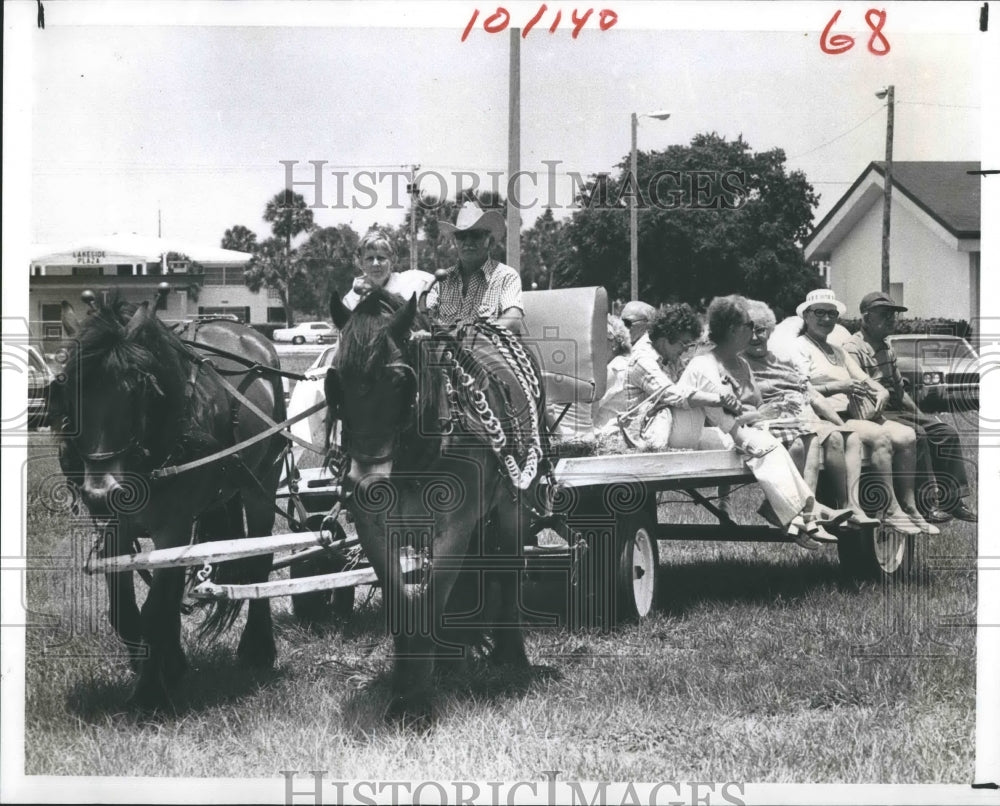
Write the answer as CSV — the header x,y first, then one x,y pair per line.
x,y
142,246
945,191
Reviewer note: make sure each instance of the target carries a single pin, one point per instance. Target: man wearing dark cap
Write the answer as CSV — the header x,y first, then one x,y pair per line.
x,y
939,452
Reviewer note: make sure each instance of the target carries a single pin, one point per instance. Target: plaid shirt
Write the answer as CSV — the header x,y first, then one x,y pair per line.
x,y
878,360
491,290
646,375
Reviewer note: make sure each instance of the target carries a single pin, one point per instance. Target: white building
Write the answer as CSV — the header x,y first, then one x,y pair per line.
x,y
135,265
934,239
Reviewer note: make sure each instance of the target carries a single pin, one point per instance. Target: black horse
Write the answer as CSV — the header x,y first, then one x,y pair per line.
x,y
443,434
146,402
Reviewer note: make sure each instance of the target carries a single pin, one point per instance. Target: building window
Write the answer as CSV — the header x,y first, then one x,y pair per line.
x,y
125,270
275,313
215,275
896,292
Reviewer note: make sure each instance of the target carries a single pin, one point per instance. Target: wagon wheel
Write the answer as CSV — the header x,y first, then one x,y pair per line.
x,y
637,563
620,572
320,605
876,553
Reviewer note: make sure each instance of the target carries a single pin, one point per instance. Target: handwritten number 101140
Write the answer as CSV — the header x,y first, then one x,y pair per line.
x,y
500,19
840,43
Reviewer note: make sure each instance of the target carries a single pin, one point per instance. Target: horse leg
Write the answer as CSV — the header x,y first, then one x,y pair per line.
x,y
256,647
161,630
123,613
507,531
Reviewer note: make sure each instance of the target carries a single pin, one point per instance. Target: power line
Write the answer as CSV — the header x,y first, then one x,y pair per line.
x,y
835,139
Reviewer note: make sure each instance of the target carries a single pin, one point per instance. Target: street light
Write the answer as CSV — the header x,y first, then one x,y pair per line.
x,y
633,211
889,93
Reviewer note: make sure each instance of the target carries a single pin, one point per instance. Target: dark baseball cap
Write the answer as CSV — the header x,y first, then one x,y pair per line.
x,y
879,299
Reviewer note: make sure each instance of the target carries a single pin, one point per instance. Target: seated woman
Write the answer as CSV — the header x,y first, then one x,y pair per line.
x,y
612,403
684,406
847,389
809,438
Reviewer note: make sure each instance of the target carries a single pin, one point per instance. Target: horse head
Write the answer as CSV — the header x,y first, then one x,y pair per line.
x,y
114,405
372,386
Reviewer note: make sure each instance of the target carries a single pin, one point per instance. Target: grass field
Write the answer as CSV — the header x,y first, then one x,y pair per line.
x,y
759,664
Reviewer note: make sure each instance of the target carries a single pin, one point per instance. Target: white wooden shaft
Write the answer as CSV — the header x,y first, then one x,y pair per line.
x,y
214,551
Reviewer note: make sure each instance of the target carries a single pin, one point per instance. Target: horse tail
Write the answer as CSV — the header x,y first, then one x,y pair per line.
x,y
224,521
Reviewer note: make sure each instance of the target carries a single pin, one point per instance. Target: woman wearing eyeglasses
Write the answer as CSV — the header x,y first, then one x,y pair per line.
x,y
790,501
674,414
856,401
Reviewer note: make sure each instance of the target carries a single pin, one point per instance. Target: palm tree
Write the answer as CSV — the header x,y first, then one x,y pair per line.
x,y
288,215
240,239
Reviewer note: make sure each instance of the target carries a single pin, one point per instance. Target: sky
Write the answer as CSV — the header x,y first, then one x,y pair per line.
x,y
184,127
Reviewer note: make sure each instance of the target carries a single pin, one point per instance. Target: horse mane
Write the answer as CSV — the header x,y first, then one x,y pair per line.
x,y
366,347
105,352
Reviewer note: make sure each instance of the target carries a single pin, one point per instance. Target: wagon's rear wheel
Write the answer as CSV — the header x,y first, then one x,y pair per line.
x,y
321,605
876,553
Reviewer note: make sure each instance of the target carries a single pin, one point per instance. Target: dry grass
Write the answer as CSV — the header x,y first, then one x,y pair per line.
x,y
759,664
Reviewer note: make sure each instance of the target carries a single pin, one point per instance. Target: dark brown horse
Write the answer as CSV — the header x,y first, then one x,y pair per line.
x,y
442,432
146,402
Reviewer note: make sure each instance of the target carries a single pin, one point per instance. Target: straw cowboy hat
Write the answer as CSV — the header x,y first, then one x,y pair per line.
x,y
821,296
472,217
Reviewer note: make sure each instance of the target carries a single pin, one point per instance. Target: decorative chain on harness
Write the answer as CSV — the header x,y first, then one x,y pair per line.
x,y
522,368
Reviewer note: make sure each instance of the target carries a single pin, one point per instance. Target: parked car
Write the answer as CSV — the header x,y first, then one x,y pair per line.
x,y
938,371
315,332
40,379
307,393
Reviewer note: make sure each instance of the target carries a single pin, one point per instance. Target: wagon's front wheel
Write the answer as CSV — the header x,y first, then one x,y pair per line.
x,y
638,561
320,605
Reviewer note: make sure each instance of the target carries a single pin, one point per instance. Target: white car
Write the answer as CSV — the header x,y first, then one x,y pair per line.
x,y
307,393
315,332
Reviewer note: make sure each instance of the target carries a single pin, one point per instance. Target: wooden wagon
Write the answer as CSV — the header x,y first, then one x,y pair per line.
x,y
604,507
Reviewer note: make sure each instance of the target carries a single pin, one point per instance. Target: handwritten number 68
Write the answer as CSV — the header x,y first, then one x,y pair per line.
x,y
840,43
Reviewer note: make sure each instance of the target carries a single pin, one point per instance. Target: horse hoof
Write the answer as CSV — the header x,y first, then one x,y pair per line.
x,y
174,667
411,713
257,656
147,701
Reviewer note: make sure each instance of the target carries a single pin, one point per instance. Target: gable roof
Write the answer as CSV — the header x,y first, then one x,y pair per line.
x,y
945,191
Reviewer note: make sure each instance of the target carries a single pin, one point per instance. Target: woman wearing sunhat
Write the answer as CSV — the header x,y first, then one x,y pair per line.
x,y
478,287
857,401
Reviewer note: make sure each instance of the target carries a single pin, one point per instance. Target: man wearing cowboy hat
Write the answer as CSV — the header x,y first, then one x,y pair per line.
x,y
939,451
478,287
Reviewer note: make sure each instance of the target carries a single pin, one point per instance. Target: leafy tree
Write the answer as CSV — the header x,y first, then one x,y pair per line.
x,y
274,266
240,239
289,215
542,247
700,233
327,260
275,263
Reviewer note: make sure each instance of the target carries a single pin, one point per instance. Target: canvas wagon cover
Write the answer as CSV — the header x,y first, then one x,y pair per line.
x,y
568,333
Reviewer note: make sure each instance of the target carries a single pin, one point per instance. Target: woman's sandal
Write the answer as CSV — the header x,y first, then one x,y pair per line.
x,y
802,532
835,517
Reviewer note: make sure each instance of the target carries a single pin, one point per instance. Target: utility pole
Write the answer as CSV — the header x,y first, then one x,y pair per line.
x,y
633,218
414,195
889,93
514,150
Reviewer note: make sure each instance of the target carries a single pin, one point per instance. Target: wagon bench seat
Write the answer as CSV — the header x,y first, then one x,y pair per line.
x,y
666,470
